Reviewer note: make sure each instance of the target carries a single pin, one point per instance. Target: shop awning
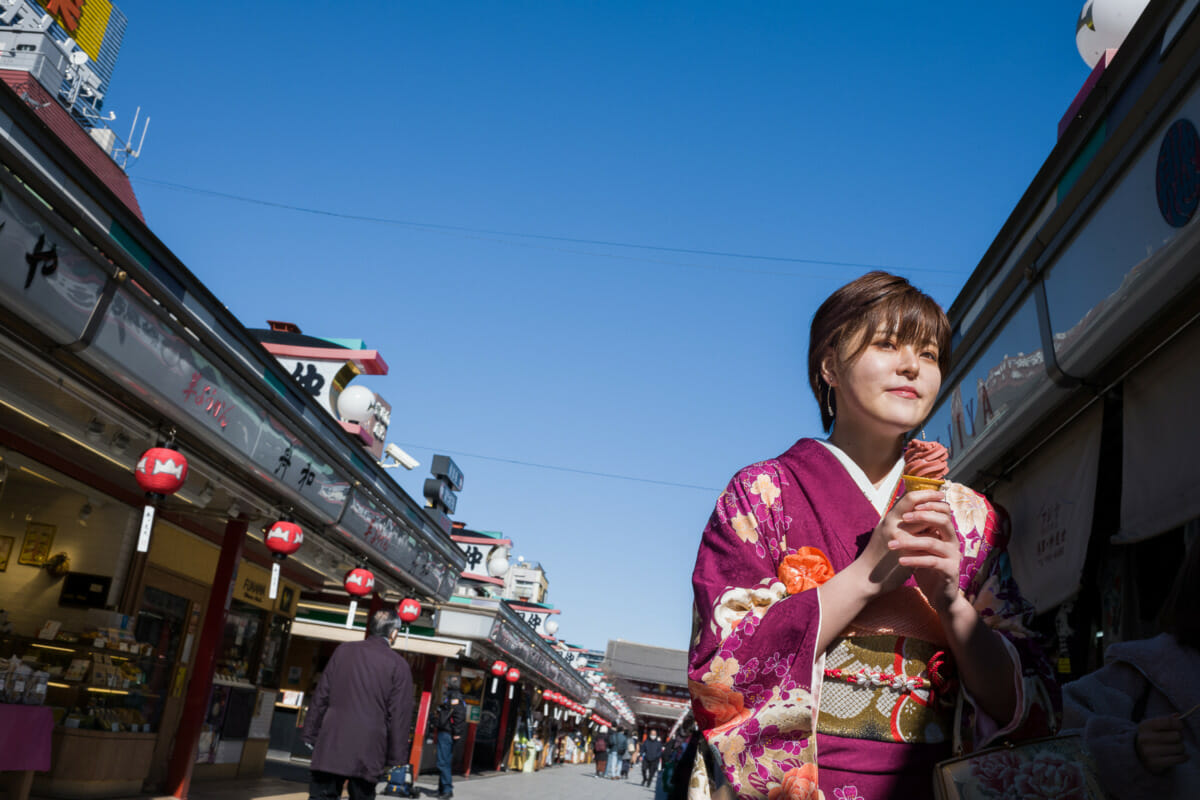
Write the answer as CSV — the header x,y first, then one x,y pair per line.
x,y
1050,501
1160,478
439,646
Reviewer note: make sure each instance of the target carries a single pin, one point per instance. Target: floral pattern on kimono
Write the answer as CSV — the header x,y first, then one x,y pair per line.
x,y
754,675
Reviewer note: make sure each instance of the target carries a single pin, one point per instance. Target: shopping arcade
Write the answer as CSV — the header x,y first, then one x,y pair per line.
x,y
104,330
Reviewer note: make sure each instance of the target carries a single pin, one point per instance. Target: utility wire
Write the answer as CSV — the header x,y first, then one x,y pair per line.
x,y
544,237
558,468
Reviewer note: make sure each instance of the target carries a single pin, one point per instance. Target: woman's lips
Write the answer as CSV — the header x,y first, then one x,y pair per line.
x,y
904,391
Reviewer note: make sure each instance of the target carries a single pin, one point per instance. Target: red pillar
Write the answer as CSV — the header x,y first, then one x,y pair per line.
x,y
418,740
502,734
470,748
195,703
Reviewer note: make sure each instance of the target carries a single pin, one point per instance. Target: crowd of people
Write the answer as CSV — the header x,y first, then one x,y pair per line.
x,y
615,751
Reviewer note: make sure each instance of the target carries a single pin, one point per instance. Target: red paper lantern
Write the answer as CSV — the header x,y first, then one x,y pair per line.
x,y
161,470
284,538
359,582
499,668
513,675
410,609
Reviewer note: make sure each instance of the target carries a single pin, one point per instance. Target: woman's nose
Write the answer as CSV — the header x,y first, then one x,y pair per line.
x,y
910,363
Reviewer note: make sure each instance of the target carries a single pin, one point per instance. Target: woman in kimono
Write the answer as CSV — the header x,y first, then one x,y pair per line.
x,y
843,626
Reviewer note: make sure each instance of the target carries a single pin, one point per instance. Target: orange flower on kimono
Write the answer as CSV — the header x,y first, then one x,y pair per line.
x,y
717,707
798,784
805,569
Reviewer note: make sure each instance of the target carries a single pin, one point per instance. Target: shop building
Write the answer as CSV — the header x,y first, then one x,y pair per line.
x,y
527,688
652,682
1069,395
166,664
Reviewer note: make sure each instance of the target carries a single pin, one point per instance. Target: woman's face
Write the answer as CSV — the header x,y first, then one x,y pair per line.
x,y
889,387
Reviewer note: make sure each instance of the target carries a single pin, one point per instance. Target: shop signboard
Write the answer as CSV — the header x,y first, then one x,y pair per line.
x,y
44,277
138,347
370,522
536,618
477,551
534,655
250,586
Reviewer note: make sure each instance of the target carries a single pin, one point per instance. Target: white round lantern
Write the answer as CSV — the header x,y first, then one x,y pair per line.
x,y
497,564
551,627
1103,25
355,403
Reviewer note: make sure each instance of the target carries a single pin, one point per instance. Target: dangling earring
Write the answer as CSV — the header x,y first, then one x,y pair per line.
x,y
829,402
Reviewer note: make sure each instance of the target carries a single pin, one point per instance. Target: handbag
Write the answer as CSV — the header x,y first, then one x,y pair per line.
x,y
1054,766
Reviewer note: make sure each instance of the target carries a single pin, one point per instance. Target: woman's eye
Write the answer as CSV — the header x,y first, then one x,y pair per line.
x,y
932,356
886,344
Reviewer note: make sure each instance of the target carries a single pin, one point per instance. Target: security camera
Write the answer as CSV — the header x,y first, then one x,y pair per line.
x,y
400,457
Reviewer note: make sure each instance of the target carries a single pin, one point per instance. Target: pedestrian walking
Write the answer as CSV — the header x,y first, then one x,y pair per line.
x,y
627,756
616,751
600,749
451,725
358,723
651,752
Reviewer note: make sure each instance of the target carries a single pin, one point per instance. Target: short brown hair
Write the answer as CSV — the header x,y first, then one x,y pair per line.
x,y
874,301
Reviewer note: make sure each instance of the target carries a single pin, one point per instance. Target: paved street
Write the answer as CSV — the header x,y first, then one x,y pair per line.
x,y
563,782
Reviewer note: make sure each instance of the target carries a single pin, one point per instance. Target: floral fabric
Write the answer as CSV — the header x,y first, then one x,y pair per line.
x,y
779,529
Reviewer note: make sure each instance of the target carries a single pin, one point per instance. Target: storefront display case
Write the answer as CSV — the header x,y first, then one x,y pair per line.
x,y
93,683
105,711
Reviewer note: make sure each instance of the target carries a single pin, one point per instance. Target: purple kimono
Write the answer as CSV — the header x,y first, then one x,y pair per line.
x,y
870,717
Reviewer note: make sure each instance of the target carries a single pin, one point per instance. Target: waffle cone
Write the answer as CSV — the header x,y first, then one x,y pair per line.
x,y
913,483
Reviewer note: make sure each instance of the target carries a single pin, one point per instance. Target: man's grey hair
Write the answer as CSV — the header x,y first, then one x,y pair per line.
x,y
382,622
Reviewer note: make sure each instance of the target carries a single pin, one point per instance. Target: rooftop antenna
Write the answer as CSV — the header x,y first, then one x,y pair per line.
x,y
131,153
75,75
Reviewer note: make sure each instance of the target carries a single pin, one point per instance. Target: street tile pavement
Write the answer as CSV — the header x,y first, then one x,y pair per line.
x,y
561,782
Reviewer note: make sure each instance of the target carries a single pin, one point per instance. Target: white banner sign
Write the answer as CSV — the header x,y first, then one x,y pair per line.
x,y
1050,500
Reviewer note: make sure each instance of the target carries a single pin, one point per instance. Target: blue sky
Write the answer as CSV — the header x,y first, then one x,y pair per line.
x,y
501,142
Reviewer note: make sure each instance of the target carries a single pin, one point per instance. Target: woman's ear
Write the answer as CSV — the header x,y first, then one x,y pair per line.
x,y
829,368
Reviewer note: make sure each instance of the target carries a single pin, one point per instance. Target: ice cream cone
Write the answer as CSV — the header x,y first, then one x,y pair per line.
x,y
913,483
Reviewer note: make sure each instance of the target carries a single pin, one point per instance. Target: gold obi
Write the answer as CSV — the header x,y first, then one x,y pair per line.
x,y
887,689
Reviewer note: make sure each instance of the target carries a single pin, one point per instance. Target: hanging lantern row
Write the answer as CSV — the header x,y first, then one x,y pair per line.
x,y
512,676
499,668
359,582
283,539
160,471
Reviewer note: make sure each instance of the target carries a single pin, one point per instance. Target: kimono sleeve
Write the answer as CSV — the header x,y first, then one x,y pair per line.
x,y
987,581
751,661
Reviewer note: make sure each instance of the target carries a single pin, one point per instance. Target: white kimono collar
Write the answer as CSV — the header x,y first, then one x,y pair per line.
x,y
879,498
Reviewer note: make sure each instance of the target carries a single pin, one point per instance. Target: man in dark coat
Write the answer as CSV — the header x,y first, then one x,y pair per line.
x,y
359,719
451,725
652,750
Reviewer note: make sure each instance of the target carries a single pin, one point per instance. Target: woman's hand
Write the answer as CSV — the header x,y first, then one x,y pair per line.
x,y
1159,743
927,543
897,534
